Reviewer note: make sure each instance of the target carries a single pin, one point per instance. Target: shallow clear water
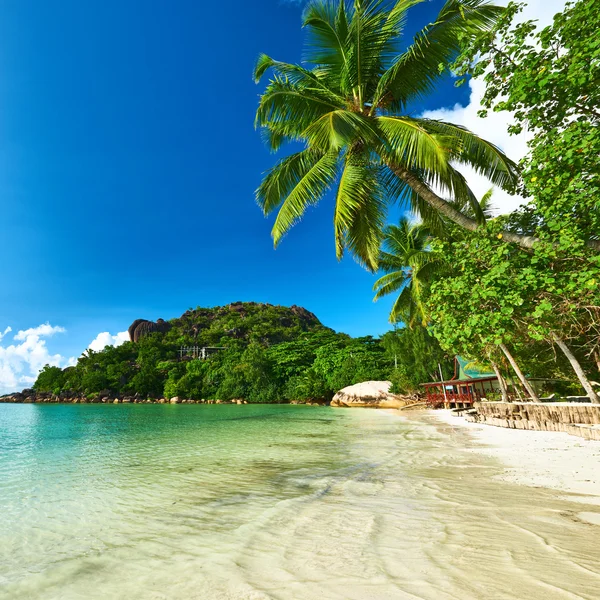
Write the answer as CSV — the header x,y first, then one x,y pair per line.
x,y
283,502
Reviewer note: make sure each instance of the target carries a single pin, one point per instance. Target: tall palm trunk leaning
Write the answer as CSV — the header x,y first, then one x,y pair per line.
x,y
585,382
501,381
513,363
350,106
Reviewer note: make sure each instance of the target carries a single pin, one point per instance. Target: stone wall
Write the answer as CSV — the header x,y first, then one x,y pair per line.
x,y
578,419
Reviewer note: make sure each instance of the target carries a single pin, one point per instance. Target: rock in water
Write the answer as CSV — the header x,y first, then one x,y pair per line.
x,y
369,394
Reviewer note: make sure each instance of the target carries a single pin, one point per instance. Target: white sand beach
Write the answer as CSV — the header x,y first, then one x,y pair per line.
x,y
547,459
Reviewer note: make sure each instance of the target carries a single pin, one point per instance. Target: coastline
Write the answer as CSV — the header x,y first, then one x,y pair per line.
x,y
548,459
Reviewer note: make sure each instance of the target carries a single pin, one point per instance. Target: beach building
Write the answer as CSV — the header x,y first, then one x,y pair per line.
x,y
469,384
472,382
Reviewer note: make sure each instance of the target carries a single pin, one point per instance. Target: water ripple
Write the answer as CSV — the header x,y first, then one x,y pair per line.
x,y
271,502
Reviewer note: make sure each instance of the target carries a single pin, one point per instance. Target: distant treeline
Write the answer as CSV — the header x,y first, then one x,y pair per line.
x,y
270,354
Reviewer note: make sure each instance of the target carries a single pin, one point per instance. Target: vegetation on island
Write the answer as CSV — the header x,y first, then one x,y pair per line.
x,y
262,353
519,291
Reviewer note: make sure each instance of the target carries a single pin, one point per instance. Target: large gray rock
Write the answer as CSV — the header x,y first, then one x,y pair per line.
x,y
369,394
141,327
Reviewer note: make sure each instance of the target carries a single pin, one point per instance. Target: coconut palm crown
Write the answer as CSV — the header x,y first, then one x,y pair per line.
x,y
410,266
347,106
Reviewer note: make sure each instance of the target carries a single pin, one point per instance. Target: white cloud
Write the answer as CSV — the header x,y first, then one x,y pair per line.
x,y
106,339
494,127
21,363
45,330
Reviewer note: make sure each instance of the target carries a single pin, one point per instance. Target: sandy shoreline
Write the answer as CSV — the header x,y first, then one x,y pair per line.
x,y
547,459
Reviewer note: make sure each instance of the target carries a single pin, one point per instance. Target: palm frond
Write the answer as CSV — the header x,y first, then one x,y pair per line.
x,y
403,308
464,198
397,190
389,262
410,265
369,33
340,128
261,66
486,204
288,108
308,190
483,156
311,80
360,211
410,144
280,180
483,211
389,283
327,25
416,71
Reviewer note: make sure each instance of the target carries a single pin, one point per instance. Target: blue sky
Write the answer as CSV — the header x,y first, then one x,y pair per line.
x,y
128,163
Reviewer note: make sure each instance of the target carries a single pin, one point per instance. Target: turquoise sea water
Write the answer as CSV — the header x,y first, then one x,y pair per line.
x,y
282,502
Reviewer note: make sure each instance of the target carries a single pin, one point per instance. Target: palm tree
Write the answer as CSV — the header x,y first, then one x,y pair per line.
x,y
410,266
348,107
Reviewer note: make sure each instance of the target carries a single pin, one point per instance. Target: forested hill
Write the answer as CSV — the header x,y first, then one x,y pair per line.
x,y
256,352
223,325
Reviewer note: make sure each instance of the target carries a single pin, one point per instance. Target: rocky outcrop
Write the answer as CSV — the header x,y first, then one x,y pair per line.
x,y
32,397
369,394
304,314
576,418
142,327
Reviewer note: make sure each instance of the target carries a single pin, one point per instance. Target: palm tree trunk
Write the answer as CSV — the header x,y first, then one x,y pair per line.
x,y
518,392
501,382
520,375
597,359
448,211
587,386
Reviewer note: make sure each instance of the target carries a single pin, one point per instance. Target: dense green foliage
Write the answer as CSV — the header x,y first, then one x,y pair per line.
x,y
418,358
494,301
495,294
547,81
520,291
544,303
527,281
268,354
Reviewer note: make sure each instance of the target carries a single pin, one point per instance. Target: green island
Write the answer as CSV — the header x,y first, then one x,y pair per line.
x,y
247,351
